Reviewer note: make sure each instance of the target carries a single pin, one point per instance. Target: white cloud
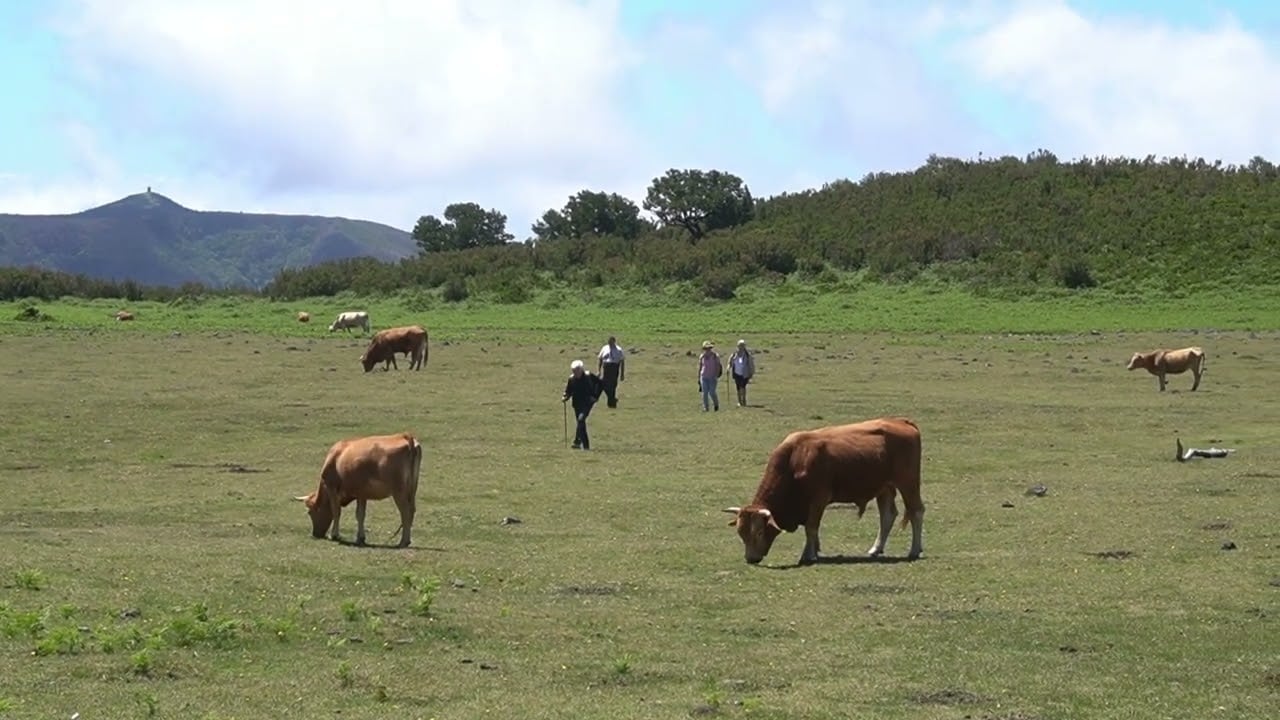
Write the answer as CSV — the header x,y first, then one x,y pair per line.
x,y
366,96
1125,86
851,78
392,109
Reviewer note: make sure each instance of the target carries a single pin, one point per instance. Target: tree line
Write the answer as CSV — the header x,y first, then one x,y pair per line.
x,y
1007,222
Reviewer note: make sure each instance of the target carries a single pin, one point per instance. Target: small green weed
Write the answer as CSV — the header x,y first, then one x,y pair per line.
x,y
351,610
346,675
62,640
141,662
29,579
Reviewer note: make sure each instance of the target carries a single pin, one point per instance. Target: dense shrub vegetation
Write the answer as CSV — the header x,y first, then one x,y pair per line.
x,y
1008,223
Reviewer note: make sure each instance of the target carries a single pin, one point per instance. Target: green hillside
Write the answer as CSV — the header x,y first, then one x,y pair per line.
x,y
151,240
1146,226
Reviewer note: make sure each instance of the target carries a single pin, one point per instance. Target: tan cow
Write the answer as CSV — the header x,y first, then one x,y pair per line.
x,y
304,317
410,340
811,469
362,469
1171,362
124,316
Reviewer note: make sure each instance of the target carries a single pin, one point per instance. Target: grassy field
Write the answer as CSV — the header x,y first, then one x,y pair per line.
x,y
851,305
156,566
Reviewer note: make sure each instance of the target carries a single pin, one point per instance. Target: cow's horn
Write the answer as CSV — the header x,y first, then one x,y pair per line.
x,y
765,512
301,498
734,510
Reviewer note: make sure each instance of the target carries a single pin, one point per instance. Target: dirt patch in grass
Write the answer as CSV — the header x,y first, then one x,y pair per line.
x,y
1114,554
603,590
227,467
873,589
947,696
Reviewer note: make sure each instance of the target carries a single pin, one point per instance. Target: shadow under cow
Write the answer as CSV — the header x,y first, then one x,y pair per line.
x,y
850,560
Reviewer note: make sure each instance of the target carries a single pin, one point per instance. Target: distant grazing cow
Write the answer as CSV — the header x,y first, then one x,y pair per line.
x,y
304,317
810,469
362,469
1171,362
124,316
348,320
410,340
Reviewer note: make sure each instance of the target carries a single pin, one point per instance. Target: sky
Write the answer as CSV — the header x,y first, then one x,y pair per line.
x,y
388,110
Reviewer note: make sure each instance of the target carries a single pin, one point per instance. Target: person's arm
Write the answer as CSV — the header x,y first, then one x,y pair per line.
x,y
568,388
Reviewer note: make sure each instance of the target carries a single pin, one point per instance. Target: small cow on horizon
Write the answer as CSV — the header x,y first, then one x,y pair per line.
x,y
410,340
304,317
854,463
351,319
367,468
1171,362
124,316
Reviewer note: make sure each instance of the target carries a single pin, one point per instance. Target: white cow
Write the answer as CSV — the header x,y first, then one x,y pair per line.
x,y
348,320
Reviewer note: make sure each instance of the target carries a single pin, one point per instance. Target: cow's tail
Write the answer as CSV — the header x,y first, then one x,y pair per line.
x,y
426,345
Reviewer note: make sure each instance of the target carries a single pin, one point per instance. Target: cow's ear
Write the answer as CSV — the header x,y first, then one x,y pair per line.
x,y
733,522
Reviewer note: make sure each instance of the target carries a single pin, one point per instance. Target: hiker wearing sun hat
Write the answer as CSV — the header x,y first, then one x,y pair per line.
x,y
709,371
742,367
584,389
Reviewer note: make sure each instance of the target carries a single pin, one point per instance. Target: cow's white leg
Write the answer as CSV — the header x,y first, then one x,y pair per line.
x,y
917,532
361,506
888,513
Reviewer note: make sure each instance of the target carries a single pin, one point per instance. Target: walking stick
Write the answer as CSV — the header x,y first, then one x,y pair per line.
x,y
565,408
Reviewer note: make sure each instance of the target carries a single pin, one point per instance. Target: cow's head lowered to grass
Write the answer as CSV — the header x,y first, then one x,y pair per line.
x,y
757,528
319,509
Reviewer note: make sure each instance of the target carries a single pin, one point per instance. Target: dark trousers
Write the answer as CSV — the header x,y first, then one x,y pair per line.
x,y
580,438
610,382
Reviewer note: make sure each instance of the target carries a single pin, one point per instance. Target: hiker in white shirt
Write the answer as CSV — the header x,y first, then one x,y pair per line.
x,y
612,368
743,367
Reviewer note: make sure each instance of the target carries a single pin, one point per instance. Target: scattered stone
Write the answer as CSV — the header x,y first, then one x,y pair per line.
x,y
1006,504
510,520
488,666
1037,490
1220,525
1228,545
458,583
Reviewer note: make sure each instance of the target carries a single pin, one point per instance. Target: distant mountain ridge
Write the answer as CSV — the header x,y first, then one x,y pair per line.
x,y
153,240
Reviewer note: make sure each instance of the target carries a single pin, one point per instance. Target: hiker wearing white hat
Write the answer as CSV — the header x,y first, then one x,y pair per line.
x,y
709,371
742,367
584,389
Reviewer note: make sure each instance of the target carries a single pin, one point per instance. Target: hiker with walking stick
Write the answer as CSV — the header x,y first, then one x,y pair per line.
x,y
583,389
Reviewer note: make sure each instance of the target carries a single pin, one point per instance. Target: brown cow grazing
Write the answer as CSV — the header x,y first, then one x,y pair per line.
x,y
410,340
304,317
124,316
1171,362
363,469
811,469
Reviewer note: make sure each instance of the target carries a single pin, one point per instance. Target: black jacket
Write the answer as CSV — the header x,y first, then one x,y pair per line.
x,y
584,390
